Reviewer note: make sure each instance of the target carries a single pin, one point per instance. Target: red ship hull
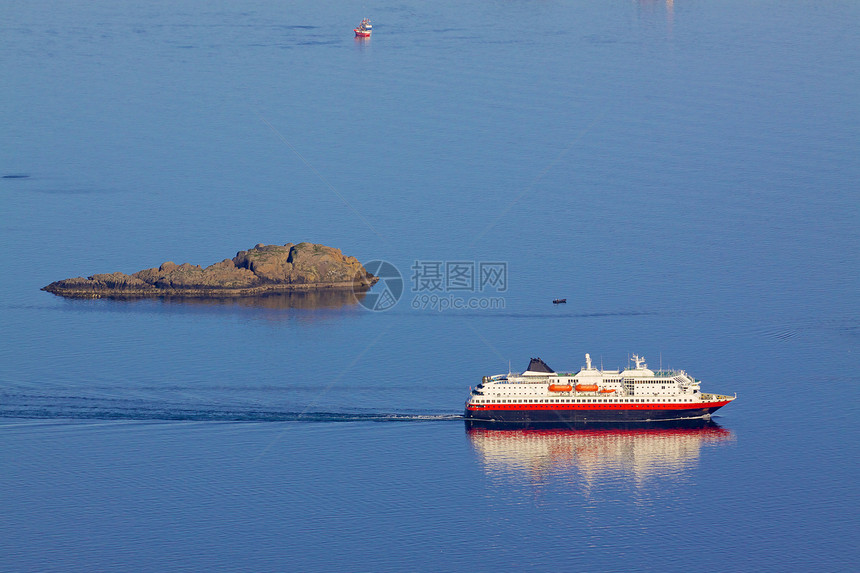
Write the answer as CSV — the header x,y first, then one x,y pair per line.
x,y
594,413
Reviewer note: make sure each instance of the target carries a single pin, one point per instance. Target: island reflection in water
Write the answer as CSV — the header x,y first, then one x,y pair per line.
x,y
595,454
303,300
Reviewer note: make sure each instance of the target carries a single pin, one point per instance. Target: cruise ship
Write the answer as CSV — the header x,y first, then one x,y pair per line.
x,y
636,394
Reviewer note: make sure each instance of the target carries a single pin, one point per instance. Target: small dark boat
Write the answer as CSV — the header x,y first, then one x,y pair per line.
x,y
560,301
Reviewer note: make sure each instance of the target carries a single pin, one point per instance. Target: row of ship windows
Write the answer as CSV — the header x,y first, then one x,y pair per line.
x,y
661,387
641,390
582,400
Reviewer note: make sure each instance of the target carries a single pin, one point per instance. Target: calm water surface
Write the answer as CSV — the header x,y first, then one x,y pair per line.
x,y
684,173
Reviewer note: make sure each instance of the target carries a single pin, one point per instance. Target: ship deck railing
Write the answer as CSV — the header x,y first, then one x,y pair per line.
x,y
708,397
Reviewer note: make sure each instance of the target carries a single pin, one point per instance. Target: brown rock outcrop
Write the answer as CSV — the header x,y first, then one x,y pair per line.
x,y
265,268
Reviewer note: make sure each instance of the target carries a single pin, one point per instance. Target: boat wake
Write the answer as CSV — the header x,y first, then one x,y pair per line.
x,y
156,413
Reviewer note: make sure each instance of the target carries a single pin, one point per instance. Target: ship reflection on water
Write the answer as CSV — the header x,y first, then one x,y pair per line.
x,y
593,455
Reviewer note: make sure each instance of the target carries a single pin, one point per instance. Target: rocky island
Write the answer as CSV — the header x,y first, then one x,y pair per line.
x,y
263,269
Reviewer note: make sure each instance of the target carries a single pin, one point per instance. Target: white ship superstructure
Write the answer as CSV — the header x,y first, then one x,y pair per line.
x,y
591,395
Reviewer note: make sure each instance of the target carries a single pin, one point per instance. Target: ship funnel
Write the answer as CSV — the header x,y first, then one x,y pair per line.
x,y
538,366
588,362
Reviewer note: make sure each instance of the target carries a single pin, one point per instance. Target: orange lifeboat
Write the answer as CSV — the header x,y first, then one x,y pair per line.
x,y
586,387
605,391
560,387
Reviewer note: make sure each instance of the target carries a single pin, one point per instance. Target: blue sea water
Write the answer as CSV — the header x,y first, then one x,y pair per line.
x,y
684,173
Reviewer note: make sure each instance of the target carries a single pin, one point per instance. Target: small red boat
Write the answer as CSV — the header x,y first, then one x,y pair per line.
x,y
364,29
